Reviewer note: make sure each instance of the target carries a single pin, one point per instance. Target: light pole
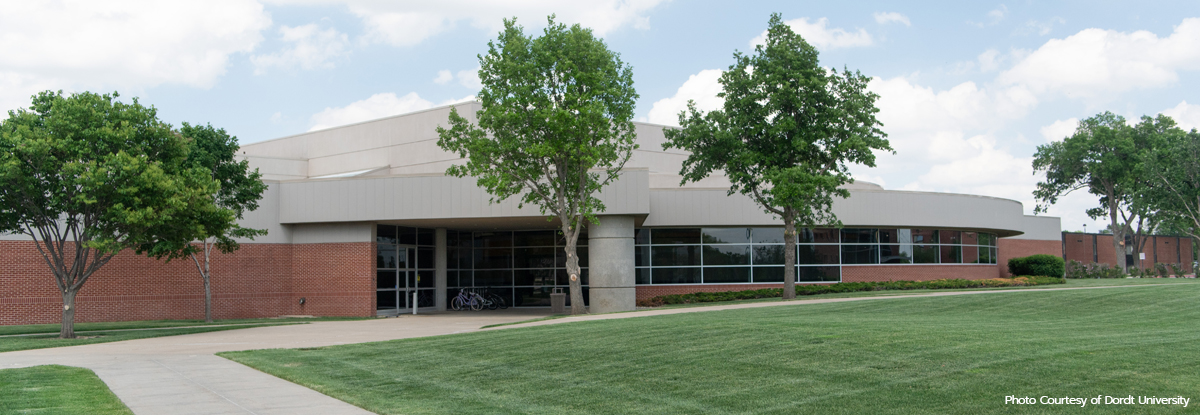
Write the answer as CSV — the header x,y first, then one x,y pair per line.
x,y
1085,228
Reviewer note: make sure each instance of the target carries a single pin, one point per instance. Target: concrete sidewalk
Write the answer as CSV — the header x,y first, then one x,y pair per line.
x,y
180,374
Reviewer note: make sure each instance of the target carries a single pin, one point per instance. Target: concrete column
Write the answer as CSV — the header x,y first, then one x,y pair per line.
x,y
439,270
610,265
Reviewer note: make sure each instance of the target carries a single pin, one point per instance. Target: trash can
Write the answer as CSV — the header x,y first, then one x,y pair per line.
x,y
558,302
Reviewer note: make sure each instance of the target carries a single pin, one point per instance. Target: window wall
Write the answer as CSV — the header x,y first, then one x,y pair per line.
x,y
404,264
523,267
755,255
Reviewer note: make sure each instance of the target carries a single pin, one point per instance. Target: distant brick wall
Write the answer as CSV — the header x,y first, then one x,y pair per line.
x,y
1016,248
259,280
1170,250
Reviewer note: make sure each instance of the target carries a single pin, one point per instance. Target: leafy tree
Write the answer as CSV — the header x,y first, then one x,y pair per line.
x,y
1175,184
556,127
1104,157
212,151
787,133
86,176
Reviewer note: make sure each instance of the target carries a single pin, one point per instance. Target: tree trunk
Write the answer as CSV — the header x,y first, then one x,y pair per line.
x,y
207,300
789,253
68,315
1117,231
574,274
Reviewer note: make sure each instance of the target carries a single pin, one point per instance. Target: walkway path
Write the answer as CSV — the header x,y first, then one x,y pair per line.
x,y
181,374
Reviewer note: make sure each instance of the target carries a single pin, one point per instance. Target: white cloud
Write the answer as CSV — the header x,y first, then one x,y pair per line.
x,y
470,78
128,45
1041,28
377,106
309,48
1099,63
1060,129
822,37
989,60
1186,115
443,77
885,18
702,88
409,23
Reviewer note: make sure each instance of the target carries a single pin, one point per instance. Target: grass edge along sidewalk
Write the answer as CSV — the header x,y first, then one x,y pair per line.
x,y
944,354
846,287
58,390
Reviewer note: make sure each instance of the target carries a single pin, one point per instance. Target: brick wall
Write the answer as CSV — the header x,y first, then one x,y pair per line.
x,y
1079,248
258,280
1015,248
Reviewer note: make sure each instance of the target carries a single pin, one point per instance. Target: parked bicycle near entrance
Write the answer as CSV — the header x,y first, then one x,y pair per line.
x,y
473,300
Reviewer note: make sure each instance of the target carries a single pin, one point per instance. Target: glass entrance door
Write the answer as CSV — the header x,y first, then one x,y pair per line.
x,y
403,271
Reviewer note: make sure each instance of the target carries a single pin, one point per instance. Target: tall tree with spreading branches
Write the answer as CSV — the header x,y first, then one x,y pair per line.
x,y
1175,186
787,133
554,129
86,176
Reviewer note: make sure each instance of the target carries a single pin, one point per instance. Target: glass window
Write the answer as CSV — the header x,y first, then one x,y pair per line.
x,y
452,238
534,257
493,258
987,239
970,238
768,274
970,254
582,240
533,277
675,236
452,279
891,236
675,275
534,238
560,277
493,239
385,300
493,278
641,276
385,280
425,236
406,235
641,256
951,237
862,236
466,279
925,254
716,275
819,254
425,279
385,256
675,255
817,236
641,236
532,297
924,236
767,235
818,274
896,254
951,254
727,255
425,258
385,234
726,235
768,254
860,254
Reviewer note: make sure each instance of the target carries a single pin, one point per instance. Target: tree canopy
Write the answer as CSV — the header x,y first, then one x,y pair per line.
x,y
86,176
555,126
786,135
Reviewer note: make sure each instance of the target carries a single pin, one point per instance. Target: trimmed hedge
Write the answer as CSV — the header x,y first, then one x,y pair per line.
x,y
1041,265
847,287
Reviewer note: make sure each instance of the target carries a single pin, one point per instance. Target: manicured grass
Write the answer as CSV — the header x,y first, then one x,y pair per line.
x,y
153,324
958,354
56,390
12,344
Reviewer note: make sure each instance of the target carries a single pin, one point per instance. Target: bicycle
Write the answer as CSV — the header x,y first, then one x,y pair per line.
x,y
466,299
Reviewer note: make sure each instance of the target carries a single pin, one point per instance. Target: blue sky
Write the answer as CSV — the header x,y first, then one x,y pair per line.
x,y
968,89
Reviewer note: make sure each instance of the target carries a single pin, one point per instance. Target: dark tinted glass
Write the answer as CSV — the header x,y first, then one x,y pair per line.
x,y
425,298
950,237
924,236
817,254
425,279
582,241
889,236
641,256
493,239
493,278
534,238
727,255
385,256
768,254
452,278
768,274
452,238
641,236
533,277
493,258
860,254
818,274
385,300
406,235
385,279
767,235
864,236
532,297
895,254
675,275
925,254
726,235
713,275
987,239
818,236
951,255
534,257
385,234
676,255
970,238
675,236
641,276
970,254
504,293
425,258
465,279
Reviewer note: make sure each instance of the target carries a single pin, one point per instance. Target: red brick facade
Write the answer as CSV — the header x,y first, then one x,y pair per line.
x,y
259,280
1016,248
1089,248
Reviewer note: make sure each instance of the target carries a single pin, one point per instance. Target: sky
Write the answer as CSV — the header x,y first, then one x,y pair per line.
x,y
968,90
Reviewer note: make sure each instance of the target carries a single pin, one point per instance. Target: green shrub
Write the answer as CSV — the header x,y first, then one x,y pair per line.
x,y
847,287
1038,265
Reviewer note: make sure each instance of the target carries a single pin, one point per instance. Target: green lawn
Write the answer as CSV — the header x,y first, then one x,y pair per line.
x,y
958,354
56,390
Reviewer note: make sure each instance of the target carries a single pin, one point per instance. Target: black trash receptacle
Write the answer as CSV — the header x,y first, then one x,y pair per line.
x,y
558,301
